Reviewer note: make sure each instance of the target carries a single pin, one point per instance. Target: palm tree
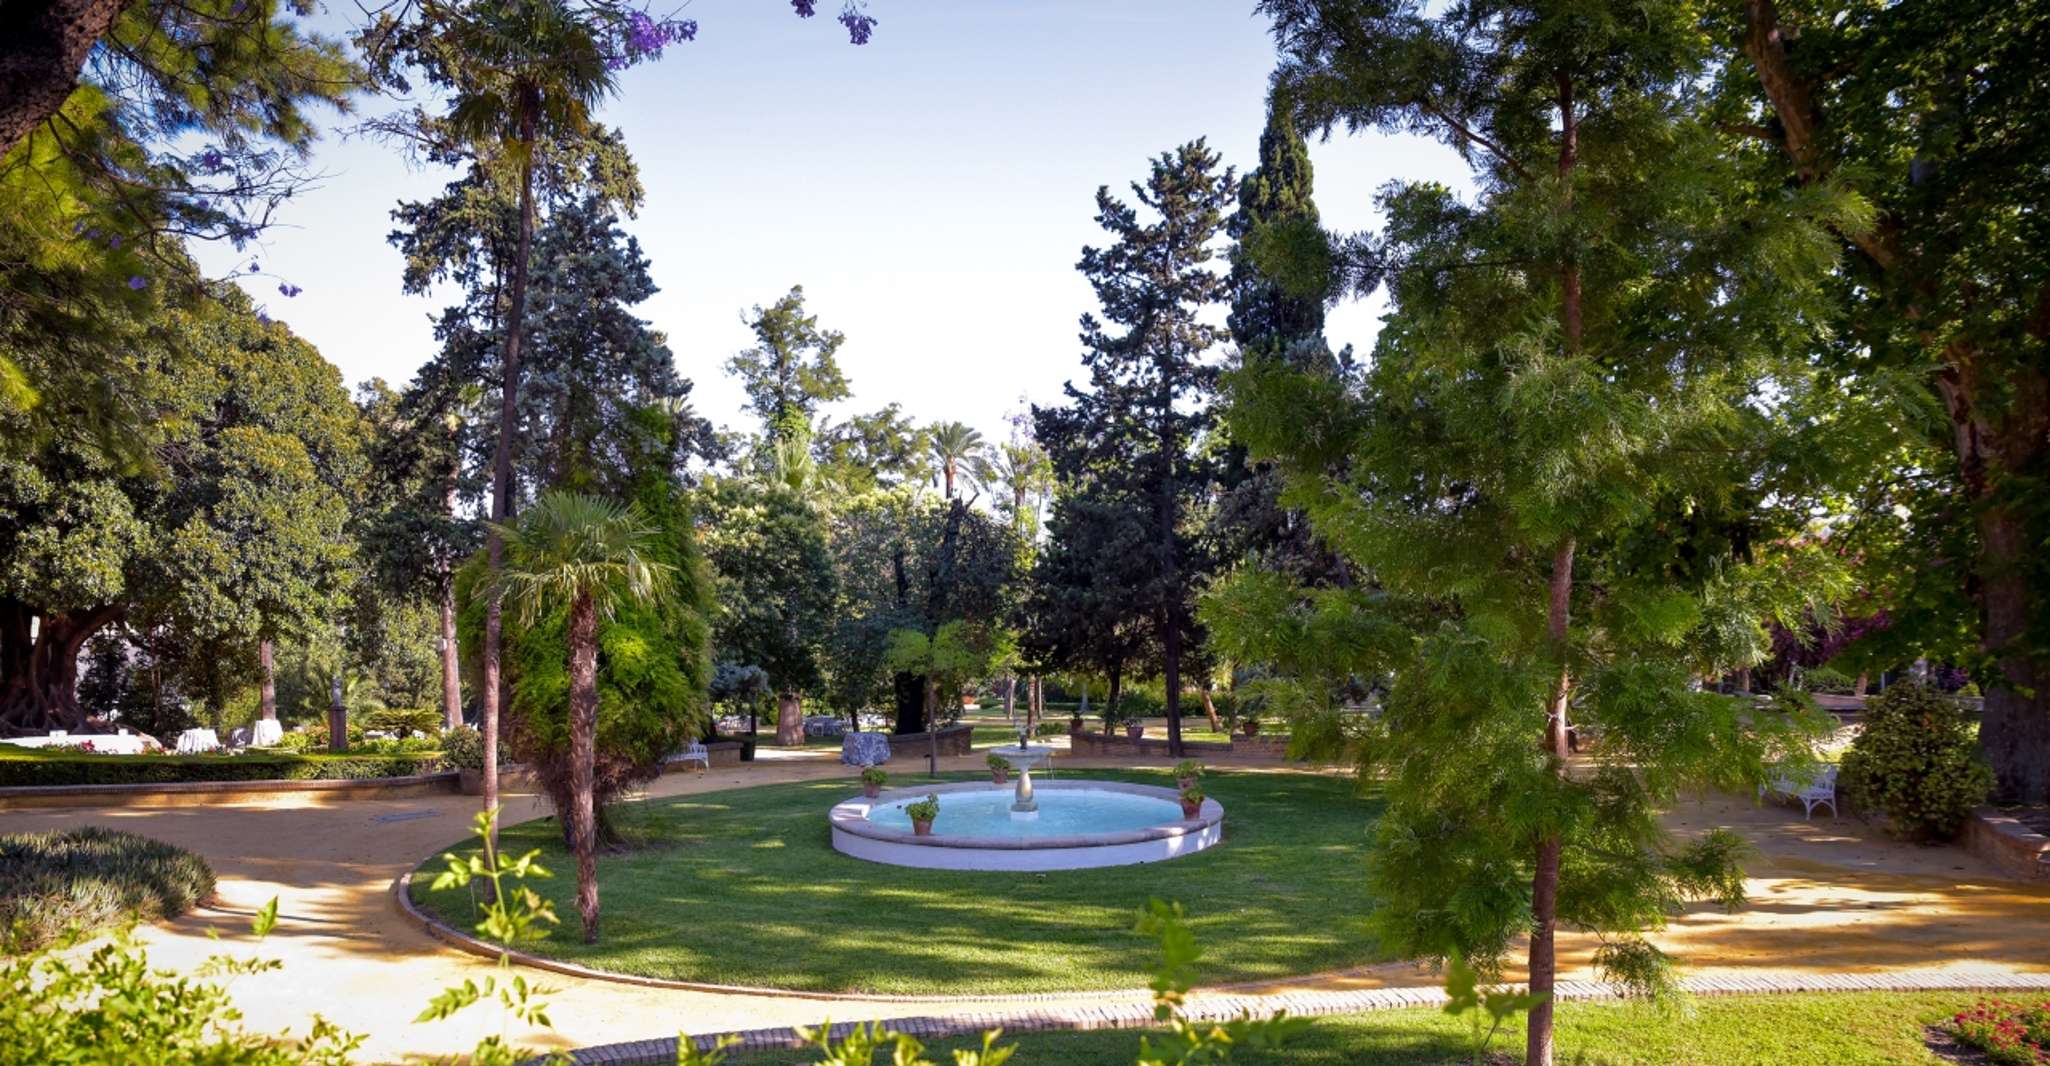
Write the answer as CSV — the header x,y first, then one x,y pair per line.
x,y
1023,472
584,555
529,71
955,446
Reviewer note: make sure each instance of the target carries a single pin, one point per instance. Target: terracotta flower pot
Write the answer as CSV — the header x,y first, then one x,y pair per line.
x,y
999,777
871,791
921,828
1251,729
472,782
1075,725
1135,731
1191,810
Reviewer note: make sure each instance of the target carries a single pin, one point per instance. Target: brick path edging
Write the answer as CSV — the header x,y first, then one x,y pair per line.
x,y
1219,1008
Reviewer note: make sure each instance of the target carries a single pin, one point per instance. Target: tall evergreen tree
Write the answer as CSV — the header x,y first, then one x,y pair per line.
x,y
1557,470
1275,198
790,370
1137,434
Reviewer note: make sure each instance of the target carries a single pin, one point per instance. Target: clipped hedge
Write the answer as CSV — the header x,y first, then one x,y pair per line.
x,y
78,768
89,879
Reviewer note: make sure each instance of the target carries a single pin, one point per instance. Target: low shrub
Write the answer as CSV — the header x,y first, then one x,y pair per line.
x,y
89,879
66,768
462,748
404,720
294,742
1917,762
2009,1033
396,746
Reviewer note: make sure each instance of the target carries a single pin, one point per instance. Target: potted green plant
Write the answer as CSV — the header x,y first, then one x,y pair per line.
x,y
1250,724
872,781
1134,728
1192,801
462,750
999,769
922,812
1186,772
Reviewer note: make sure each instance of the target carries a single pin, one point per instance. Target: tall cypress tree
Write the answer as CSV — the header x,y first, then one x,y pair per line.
x,y
1136,435
1267,318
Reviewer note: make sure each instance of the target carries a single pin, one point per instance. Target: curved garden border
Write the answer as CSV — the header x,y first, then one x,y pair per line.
x,y
856,836
183,793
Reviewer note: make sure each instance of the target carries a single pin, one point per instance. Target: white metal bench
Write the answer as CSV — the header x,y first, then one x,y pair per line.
x,y
695,753
1812,794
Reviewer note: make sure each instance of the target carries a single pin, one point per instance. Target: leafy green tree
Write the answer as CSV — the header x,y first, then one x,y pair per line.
x,y
1140,427
1555,470
243,538
873,451
775,583
1931,113
948,658
790,370
1020,475
1082,610
580,556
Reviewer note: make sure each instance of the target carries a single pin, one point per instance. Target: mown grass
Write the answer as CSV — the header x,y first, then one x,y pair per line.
x,y
1837,1029
743,887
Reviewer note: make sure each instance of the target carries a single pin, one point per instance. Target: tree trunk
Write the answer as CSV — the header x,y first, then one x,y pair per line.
x,y
789,719
1010,697
2014,729
337,716
39,672
451,667
1210,709
267,685
583,755
1174,691
493,696
47,45
1110,708
1544,886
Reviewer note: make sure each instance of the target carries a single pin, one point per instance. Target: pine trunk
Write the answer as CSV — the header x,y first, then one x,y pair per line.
x,y
493,695
47,45
583,752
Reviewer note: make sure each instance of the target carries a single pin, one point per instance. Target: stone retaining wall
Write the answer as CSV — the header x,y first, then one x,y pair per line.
x,y
953,740
1090,742
2008,844
201,793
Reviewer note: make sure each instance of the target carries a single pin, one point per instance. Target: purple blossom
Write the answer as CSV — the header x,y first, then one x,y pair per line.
x,y
137,281
255,268
115,243
805,8
860,26
288,290
213,160
78,227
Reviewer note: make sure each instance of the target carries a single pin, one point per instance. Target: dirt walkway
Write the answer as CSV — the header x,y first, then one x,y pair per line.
x,y
1826,897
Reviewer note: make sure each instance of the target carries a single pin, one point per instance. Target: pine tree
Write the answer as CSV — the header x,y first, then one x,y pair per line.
x,y
1557,469
1266,318
1137,434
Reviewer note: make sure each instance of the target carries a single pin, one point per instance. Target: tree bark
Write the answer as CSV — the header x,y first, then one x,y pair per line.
x,y
267,685
39,674
1210,709
790,719
337,716
451,667
493,695
1544,886
47,45
1110,707
583,753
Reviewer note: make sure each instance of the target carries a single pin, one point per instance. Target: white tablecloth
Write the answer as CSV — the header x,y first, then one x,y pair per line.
x,y
265,733
193,741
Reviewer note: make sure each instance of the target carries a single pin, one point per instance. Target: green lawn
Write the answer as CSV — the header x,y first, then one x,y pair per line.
x,y
1763,1030
743,887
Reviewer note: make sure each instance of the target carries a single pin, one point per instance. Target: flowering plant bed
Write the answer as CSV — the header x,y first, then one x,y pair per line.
x,y
2010,1033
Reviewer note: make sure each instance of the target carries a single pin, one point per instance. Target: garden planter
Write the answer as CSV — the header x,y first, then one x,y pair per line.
x,y
471,781
921,827
1191,810
999,777
1251,729
1135,731
747,751
871,791
1074,725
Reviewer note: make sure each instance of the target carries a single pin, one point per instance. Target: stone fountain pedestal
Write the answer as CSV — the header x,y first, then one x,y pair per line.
x,y
1023,757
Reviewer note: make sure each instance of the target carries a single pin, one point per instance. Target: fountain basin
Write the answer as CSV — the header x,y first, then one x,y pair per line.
x,y
1082,824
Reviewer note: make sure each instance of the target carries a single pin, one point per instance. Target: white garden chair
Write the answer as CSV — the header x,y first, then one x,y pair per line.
x,y
1812,794
694,753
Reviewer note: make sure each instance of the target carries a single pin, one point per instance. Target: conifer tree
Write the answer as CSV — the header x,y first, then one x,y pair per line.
x,y
1136,435
1569,469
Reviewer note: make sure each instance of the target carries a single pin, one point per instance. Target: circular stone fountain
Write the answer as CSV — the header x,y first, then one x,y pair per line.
x,y
1069,825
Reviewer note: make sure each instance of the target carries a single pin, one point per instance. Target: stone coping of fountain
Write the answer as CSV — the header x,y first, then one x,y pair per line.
x,y
850,817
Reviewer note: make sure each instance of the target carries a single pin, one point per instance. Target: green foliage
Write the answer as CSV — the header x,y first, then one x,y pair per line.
x,y
84,880
462,748
1916,761
998,762
2010,1033
924,810
1184,1043
790,370
67,768
775,580
874,775
1193,795
404,721
1490,1007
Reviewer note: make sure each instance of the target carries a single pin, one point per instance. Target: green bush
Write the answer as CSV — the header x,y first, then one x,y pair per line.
x,y
294,742
404,721
462,748
91,878
70,768
1916,761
